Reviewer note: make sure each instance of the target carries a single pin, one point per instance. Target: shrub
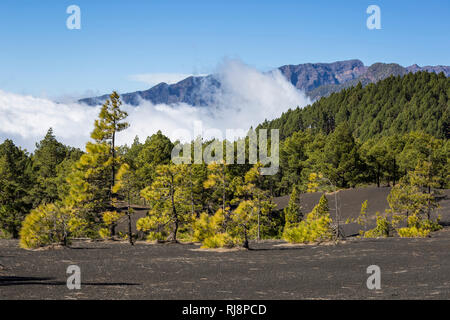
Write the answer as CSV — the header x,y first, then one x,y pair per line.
x,y
47,224
316,227
418,228
206,226
209,230
104,233
219,240
112,217
151,226
311,230
413,232
381,230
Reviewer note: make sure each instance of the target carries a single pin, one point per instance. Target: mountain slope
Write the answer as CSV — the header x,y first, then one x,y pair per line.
x,y
394,105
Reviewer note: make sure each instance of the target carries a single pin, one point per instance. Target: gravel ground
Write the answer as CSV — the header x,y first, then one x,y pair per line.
x,y
410,269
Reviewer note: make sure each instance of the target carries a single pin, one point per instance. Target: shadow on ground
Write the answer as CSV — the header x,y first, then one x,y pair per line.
x,y
17,281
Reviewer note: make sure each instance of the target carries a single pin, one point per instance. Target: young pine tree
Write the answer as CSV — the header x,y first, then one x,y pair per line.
x,y
109,123
169,203
261,199
93,175
219,180
292,213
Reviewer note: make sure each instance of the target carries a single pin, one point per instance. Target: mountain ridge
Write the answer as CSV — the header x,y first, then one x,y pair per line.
x,y
317,80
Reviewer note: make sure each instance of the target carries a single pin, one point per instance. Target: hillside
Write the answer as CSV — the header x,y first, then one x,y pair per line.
x,y
394,105
315,79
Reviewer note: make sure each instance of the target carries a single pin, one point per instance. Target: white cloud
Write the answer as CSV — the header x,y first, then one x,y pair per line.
x,y
246,98
152,79
26,119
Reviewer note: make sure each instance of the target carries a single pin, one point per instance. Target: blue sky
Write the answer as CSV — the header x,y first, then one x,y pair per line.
x,y
119,39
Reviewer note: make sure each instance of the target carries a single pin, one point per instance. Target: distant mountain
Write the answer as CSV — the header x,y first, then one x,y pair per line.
x,y
191,90
315,79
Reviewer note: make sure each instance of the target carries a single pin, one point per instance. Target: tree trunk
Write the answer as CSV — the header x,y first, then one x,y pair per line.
x,y
130,235
259,226
15,233
224,190
113,178
173,236
378,176
245,244
395,170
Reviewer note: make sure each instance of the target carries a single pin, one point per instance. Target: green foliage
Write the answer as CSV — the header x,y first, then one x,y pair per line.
x,y
418,227
90,185
314,182
292,213
152,227
409,197
362,218
316,228
45,225
49,154
321,209
219,240
93,176
110,218
109,121
395,105
104,233
341,162
15,181
382,228
207,226
413,232
293,157
219,181
155,151
243,218
168,200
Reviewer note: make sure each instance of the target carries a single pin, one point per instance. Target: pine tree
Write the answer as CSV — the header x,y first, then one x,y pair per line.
x,y
48,155
106,127
93,175
340,160
156,150
292,213
15,183
321,208
261,199
243,218
410,196
90,185
169,203
126,184
219,180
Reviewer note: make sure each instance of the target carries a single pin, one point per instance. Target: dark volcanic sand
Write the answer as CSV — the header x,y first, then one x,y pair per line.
x,y
410,269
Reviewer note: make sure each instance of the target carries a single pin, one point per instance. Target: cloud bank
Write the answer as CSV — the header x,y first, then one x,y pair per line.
x,y
246,98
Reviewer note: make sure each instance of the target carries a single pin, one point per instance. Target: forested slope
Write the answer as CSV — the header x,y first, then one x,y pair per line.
x,y
396,105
